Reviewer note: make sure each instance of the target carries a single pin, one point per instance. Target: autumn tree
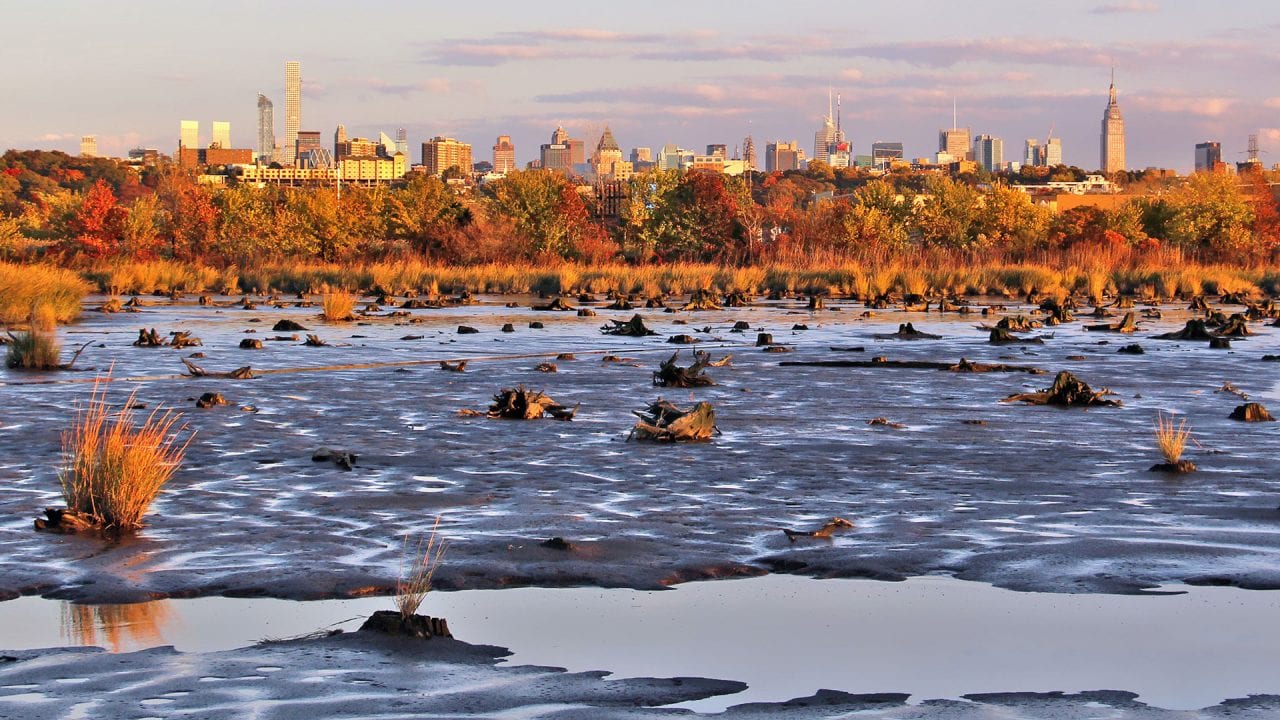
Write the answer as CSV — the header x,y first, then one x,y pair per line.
x,y
95,229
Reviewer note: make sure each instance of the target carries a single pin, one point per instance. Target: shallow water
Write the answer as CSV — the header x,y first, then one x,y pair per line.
x,y
1037,498
785,637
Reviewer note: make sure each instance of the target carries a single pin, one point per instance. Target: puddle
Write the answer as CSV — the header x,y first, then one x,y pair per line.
x,y
785,636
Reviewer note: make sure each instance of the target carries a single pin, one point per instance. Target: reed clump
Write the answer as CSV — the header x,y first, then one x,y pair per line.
x,y
338,306
417,570
1171,441
45,288
37,347
113,467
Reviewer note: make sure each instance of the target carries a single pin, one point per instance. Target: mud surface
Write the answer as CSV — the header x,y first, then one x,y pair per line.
x,y
1034,498
358,676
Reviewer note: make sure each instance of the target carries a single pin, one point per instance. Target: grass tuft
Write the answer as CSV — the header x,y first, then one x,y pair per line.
x,y
1171,439
338,306
415,578
113,469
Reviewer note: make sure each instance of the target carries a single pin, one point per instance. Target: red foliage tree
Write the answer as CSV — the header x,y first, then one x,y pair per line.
x,y
96,225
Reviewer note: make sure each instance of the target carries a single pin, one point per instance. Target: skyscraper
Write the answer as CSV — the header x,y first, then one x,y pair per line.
x,y
402,142
339,137
988,152
292,108
504,155
781,156
828,143
563,152
1051,152
221,134
189,134
1112,133
749,153
1208,156
89,146
441,153
955,141
1031,152
883,154
266,128
641,155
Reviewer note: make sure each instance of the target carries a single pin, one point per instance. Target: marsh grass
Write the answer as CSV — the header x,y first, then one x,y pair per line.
x,y
1171,439
417,570
25,289
37,347
338,306
113,467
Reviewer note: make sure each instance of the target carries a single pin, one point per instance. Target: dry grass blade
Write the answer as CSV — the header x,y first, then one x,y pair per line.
x,y
415,578
113,468
1171,439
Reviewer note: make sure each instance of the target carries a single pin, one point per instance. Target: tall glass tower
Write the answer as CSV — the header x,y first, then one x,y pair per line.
x,y
292,108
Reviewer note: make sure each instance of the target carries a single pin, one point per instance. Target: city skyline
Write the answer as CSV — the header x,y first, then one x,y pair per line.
x,y
699,76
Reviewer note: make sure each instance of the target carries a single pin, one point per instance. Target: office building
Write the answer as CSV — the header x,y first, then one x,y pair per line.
x,y
641,155
829,144
266,129
1113,159
89,146
402,142
357,147
988,152
189,134
885,154
782,156
305,142
221,134
607,157
749,153
563,153
720,151
441,153
292,109
1208,157
504,155
339,138
1031,152
1051,152
673,157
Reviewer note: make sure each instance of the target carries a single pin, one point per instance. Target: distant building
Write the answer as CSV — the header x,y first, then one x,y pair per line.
x,y
749,153
562,153
720,151
189,134
402,142
89,146
885,154
641,155
988,152
673,157
781,156
955,144
1209,157
221,134
829,144
607,160
339,137
357,147
266,129
1113,140
147,157
504,155
292,109
1047,155
1031,152
441,153
304,142
189,158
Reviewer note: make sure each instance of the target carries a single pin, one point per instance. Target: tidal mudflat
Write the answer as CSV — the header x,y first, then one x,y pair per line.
x,y
952,482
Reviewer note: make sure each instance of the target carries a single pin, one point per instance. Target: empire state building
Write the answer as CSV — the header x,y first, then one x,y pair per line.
x,y
1112,134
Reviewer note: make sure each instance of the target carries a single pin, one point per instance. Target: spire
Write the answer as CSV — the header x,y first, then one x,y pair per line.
x,y
1112,100
830,113
954,121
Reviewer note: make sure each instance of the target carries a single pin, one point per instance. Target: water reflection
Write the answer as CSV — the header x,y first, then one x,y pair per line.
x,y
116,627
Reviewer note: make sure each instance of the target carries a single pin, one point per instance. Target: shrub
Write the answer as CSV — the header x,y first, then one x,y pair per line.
x,y
113,469
36,348
338,306
1171,439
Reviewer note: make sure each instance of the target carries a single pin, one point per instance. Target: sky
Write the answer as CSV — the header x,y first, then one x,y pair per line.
x,y
693,72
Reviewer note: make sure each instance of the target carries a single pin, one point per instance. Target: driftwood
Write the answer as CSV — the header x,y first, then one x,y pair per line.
x,y
148,338
250,344
683,340
1234,298
183,339
459,366
1134,349
1236,326
669,374
664,422
522,404
242,373
341,458
1001,336
1193,330
508,327
211,399
964,366
1126,325
1067,391
736,298
817,302
314,341
1251,412
467,330
702,300
885,422
1058,312
287,326
825,532
1198,303
66,521
907,331
547,367
622,302
1016,323
558,304
634,327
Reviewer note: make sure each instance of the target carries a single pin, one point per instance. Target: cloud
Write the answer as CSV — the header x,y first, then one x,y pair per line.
x,y
433,86
1272,102
55,137
1132,6
533,45
1198,105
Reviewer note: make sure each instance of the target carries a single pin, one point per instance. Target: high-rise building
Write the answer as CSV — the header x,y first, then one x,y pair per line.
x,y
189,134
641,155
749,153
339,138
357,148
1208,156
306,141
988,152
1051,152
292,108
720,151
1031,152
781,156
266,129
829,140
562,153
607,155
1112,133
954,142
441,153
221,134
884,154
504,155
89,146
